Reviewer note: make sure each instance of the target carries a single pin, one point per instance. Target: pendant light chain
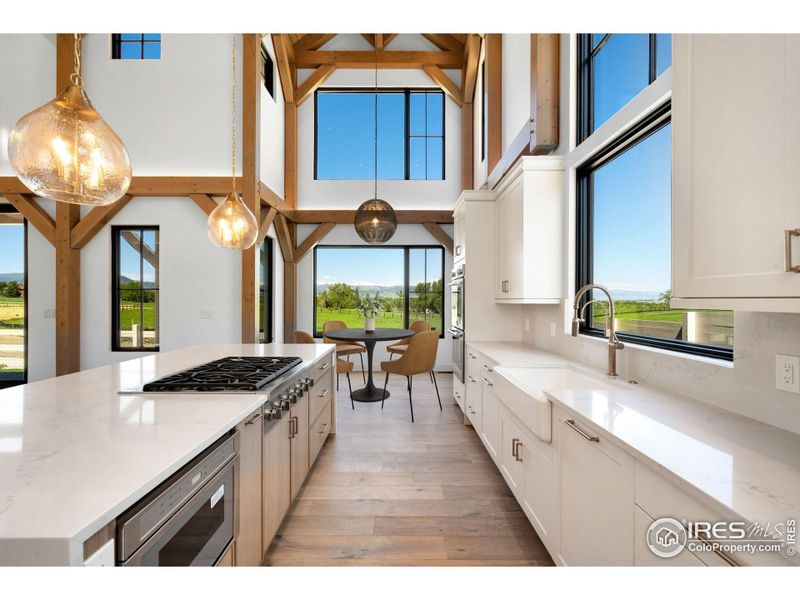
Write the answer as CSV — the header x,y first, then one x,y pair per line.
x,y
376,121
233,118
76,78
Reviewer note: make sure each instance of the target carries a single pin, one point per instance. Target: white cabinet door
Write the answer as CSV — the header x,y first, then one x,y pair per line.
x,y
736,150
459,248
643,556
538,497
510,242
595,498
490,433
511,465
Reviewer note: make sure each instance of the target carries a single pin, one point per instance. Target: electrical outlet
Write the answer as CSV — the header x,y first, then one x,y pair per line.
x,y
787,373
205,314
552,330
49,313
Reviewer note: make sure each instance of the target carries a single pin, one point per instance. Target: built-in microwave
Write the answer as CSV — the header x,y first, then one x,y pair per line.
x,y
189,520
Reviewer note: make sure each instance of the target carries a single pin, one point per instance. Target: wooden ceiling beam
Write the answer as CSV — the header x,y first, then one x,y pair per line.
x,y
472,54
387,59
282,47
314,238
267,218
494,99
35,214
545,58
284,238
314,81
98,217
150,255
444,41
347,217
313,41
205,202
441,79
11,219
440,235
370,37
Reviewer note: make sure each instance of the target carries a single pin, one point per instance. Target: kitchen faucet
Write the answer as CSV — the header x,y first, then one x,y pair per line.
x,y
577,318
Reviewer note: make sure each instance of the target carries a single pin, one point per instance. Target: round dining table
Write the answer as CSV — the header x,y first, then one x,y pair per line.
x,y
369,393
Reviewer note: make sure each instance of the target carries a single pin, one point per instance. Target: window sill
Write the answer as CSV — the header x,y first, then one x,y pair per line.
x,y
717,362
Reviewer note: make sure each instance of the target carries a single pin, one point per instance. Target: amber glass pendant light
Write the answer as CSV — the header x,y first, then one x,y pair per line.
x,y
375,220
232,224
66,152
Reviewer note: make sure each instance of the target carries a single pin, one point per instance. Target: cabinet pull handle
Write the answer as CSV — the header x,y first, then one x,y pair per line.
x,y
721,553
788,235
324,393
471,355
589,438
487,382
458,250
254,419
293,428
515,450
323,366
488,369
324,429
471,378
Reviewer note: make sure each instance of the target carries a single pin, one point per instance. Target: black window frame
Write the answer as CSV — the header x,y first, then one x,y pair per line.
x,y
268,71
406,278
266,291
654,122
9,209
117,41
407,127
585,57
115,289
484,112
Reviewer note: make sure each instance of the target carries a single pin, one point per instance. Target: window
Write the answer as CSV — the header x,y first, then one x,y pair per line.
x,y
624,242
135,299
13,297
135,45
484,112
265,292
410,134
613,68
409,279
268,71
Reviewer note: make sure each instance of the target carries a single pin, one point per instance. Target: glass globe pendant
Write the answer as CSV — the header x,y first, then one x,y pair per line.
x,y
232,224
65,151
375,220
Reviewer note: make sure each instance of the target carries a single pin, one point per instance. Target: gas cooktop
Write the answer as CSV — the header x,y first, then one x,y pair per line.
x,y
230,374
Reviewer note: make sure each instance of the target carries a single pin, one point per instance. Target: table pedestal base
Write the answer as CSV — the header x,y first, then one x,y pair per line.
x,y
369,394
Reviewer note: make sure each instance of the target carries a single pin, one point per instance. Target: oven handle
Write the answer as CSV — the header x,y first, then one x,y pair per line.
x,y
190,505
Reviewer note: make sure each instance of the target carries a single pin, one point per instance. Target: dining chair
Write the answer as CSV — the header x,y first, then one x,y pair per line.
x,y
400,346
345,366
419,357
344,348
303,337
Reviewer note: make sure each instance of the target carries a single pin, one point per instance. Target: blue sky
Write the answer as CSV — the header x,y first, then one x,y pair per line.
x,y
12,248
377,266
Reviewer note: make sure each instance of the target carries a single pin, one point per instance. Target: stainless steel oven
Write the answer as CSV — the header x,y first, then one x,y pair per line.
x,y
457,319
189,520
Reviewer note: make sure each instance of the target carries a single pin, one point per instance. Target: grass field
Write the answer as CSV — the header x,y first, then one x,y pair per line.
x,y
12,312
354,319
129,315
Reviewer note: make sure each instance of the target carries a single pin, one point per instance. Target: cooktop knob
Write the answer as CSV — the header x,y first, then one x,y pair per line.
x,y
293,398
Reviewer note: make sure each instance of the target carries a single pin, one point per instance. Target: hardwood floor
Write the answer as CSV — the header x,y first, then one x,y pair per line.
x,y
386,491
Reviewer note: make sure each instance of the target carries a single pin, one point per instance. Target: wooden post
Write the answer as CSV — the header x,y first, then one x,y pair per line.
x,y
251,128
68,259
494,99
545,57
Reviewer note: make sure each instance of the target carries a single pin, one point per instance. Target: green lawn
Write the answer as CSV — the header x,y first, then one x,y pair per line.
x,y
354,319
129,315
12,312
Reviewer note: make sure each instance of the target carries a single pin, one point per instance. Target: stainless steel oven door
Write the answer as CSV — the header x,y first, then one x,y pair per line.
x,y
457,304
458,353
199,533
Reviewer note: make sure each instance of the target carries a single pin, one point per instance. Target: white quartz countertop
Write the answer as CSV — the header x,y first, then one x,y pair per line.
x,y
738,466
74,454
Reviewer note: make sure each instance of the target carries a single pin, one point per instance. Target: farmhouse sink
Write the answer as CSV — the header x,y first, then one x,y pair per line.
x,y
522,390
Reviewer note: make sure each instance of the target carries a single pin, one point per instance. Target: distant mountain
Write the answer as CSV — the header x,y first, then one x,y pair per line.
x,y
18,277
635,295
384,290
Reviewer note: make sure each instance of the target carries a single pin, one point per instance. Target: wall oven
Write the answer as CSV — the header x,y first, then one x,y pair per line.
x,y
189,520
457,319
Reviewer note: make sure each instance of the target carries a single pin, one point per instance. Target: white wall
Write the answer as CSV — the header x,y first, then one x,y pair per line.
x,y
194,276
346,235
516,85
272,130
41,299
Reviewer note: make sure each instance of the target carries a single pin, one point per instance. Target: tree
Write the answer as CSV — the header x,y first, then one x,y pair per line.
x,y
665,297
339,296
12,290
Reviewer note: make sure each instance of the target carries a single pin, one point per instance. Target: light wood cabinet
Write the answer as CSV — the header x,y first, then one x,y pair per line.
x,y
226,560
249,549
736,147
277,477
318,433
595,497
529,232
299,443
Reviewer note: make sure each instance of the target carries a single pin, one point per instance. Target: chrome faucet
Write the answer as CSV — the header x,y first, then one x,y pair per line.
x,y
578,317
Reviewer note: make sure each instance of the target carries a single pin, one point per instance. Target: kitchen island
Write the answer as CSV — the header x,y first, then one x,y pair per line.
x,y
75,454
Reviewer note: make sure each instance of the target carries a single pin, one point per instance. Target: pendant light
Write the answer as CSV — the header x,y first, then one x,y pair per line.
x,y
65,151
375,220
232,224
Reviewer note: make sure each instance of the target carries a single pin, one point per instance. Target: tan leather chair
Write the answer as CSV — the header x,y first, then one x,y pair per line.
x,y
344,348
419,357
303,337
345,366
400,346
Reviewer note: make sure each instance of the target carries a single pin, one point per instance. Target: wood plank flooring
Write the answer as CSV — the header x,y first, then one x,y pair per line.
x,y
386,491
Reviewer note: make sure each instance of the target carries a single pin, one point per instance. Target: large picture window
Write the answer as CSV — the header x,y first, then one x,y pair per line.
x,y
135,288
624,242
13,297
410,134
613,68
409,280
135,46
265,292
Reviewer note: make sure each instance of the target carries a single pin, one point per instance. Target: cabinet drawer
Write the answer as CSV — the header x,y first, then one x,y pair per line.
x,y
320,395
459,391
319,432
319,368
643,556
474,410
